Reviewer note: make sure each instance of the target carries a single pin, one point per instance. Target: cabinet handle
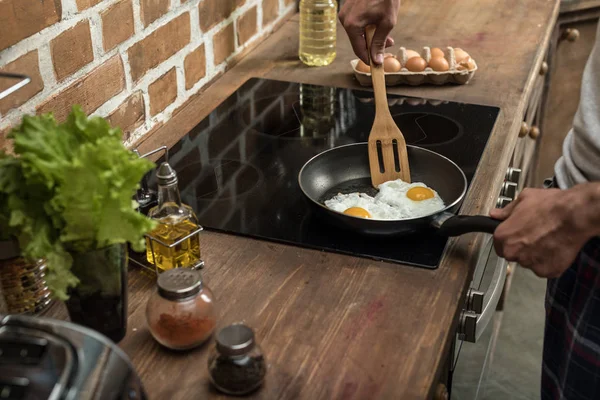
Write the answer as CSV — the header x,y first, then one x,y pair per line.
x,y
524,129
570,34
441,392
544,68
534,132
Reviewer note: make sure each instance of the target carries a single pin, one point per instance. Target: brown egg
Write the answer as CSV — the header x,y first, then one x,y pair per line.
x,y
362,67
386,55
411,53
460,54
437,52
416,64
439,64
391,64
466,64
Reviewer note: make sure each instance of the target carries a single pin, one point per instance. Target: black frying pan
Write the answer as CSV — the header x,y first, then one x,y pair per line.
x,y
345,169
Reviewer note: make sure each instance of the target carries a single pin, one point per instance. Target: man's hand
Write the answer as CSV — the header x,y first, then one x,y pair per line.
x,y
355,15
544,229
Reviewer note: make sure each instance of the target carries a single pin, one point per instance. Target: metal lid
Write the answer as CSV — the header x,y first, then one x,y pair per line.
x,y
235,340
166,175
179,283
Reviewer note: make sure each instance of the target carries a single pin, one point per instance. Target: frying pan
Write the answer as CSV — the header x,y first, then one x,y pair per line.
x,y
345,169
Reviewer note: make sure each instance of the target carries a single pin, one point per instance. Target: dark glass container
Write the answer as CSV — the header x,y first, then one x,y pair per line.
x,y
100,300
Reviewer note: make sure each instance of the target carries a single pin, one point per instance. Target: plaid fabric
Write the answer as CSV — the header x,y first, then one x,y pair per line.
x,y
571,360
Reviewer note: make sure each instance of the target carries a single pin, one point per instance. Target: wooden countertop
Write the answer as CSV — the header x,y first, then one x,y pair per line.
x,y
335,326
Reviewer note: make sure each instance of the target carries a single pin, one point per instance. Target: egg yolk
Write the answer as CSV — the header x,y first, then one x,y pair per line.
x,y
419,193
357,212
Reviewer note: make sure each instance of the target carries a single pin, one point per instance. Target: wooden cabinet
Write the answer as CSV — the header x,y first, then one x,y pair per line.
x,y
570,47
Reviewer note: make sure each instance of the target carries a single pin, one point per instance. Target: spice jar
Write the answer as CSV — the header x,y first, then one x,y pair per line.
x,y
181,313
236,363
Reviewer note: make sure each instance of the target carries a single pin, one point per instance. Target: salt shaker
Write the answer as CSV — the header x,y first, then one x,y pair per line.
x,y
181,312
236,363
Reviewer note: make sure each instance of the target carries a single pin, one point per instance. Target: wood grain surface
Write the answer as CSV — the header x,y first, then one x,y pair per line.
x,y
335,326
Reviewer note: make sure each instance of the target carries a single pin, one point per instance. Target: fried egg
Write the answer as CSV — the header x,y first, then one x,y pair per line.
x,y
395,200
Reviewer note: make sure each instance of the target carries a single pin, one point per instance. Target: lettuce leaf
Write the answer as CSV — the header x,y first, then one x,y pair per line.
x,y
69,189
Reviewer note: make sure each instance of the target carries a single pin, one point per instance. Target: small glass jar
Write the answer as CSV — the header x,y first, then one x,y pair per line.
x,y
181,312
236,363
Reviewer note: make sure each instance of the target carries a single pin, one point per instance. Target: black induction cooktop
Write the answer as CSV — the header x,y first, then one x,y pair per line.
x,y
238,168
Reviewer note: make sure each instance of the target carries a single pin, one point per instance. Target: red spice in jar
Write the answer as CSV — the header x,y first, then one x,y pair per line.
x,y
182,331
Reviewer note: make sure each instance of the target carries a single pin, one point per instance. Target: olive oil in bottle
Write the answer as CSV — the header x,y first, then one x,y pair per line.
x,y
318,21
175,221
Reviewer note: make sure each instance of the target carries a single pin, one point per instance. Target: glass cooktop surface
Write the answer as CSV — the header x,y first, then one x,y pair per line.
x,y
238,168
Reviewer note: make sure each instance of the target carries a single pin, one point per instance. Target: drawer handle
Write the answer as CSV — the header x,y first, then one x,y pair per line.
x,y
524,129
534,132
471,324
570,35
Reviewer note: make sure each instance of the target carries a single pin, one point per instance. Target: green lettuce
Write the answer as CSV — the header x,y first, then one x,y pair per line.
x,y
68,189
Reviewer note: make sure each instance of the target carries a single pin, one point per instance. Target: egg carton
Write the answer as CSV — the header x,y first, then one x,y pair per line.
x,y
406,77
411,101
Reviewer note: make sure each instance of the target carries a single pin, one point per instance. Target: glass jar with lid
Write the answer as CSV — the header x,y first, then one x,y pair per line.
x,y
181,312
236,364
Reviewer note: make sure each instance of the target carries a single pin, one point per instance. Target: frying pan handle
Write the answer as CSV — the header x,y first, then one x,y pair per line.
x,y
457,225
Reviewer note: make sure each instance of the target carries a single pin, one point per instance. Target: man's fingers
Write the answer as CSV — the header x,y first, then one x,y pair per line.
x,y
379,41
389,42
359,45
503,213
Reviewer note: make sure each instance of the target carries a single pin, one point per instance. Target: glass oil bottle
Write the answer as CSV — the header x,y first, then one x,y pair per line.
x,y
165,248
318,22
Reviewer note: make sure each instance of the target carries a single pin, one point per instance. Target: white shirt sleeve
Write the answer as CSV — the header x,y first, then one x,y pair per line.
x,y
580,161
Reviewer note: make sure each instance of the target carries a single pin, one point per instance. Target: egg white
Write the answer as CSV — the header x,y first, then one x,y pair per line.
x,y
391,203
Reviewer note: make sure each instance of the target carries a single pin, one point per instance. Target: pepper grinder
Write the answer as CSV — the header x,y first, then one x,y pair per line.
x,y
236,365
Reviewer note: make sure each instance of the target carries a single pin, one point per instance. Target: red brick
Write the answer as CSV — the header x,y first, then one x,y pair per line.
x,y
72,50
130,115
84,4
214,11
159,46
153,9
27,65
194,66
22,18
117,24
246,26
163,92
270,11
90,92
223,44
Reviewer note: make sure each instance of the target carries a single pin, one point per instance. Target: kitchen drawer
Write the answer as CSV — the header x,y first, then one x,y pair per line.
x,y
478,327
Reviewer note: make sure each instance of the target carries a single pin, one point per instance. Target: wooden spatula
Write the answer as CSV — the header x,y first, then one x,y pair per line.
x,y
388,157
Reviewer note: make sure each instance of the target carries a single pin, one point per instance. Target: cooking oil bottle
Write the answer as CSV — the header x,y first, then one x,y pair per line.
x,y
318,21
176,221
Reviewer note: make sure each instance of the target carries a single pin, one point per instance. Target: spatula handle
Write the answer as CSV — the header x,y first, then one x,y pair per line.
x,y
377,75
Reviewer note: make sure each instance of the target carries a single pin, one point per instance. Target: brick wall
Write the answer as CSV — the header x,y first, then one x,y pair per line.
x,y
133,61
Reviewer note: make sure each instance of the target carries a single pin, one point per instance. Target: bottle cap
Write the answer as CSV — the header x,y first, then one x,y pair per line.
x,y
179,283
166,175
235,340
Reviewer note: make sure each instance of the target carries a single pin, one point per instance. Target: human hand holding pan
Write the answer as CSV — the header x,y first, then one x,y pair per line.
x,y
345,169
